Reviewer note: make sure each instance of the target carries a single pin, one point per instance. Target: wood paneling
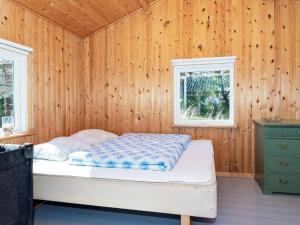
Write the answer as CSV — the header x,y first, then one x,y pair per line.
x,y
288,57
128,78
84,16
125,81
145,5
55,77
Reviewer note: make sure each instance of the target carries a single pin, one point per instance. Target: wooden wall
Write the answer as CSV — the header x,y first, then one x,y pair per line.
x,y
287,31
125,80
128,79
55,77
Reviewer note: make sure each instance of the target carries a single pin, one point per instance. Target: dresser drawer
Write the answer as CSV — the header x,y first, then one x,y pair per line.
x,y
282,132
284,164
284,147
284,183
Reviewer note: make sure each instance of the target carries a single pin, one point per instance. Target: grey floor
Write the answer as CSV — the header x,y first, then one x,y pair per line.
x,y
240,202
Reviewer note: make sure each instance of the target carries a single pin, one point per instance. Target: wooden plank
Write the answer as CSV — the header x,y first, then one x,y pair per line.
x,y
84,17
297,71
145,5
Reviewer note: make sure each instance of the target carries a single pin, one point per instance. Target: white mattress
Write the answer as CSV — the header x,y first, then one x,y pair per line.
x,y
195,166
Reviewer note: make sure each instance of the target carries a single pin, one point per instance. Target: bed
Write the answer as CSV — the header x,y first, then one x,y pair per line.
x,y
189,189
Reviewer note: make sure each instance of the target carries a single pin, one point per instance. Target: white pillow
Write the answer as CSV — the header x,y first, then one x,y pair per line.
x,y
58,149
93,136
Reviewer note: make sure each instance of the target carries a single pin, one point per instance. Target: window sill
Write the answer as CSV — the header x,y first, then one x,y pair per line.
x,y
206,126
16,135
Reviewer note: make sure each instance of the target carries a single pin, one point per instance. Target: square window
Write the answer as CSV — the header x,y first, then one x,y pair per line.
x,y
204,92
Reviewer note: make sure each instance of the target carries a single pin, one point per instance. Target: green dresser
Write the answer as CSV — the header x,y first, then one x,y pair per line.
x,y
277,156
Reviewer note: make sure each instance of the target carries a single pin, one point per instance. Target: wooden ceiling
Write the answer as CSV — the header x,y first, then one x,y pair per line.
x,y
84,17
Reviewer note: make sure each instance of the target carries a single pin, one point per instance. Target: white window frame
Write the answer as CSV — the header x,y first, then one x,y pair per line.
x,y
19,55
204,64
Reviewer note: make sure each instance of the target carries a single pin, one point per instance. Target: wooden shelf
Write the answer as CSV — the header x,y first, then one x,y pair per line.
x,y
16,135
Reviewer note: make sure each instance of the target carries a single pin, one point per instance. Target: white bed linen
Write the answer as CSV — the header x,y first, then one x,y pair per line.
x,y
194,166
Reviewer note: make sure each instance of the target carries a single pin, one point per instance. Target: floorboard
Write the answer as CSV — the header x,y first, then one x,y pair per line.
x,y
240,202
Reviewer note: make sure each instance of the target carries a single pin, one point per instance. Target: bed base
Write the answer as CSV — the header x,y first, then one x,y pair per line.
x,y
171,198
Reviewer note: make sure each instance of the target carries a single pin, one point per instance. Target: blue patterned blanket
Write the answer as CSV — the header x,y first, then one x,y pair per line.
x,y
134,151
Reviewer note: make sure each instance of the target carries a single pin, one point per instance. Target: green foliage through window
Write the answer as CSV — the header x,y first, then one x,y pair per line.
x,y
205,95
6,88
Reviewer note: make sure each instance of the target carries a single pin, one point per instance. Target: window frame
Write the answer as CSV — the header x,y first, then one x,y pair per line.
x,y
203,64
19,55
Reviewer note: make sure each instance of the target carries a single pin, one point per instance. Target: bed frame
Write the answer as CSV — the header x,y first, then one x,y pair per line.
x,y
173,198
181,199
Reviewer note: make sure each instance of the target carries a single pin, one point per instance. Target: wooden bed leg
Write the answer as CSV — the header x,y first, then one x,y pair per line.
x,y
185,220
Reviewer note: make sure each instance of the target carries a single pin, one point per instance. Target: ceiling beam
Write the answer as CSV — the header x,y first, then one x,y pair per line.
x,y
145,5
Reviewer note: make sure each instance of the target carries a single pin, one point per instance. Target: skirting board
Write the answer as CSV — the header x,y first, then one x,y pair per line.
x,y
238,175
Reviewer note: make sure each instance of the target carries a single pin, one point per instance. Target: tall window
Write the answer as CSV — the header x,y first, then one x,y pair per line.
x,y
13,87
204,91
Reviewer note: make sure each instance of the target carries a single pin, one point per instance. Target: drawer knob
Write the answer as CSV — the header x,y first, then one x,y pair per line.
x,y
283,146
284,163
283,182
